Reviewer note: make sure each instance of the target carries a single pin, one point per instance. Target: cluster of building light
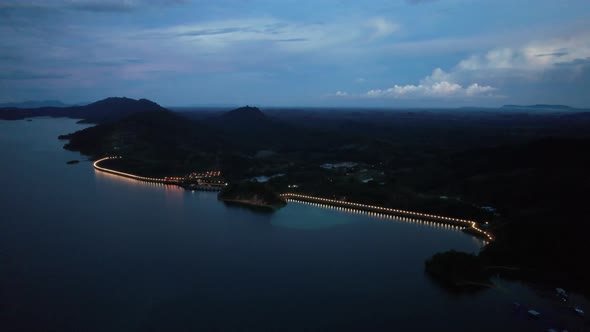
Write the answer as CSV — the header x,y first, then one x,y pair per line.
x,y
173,178
209,174
167,179
471,224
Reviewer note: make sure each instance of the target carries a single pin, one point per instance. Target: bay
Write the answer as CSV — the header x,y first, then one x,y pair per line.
x,y
82,250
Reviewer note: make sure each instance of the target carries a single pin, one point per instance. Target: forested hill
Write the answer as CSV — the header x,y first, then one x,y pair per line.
x,y
106,110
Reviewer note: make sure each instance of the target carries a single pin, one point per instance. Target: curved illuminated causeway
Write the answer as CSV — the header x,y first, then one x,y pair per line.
x,y
83,249
132,176
472,225
396,212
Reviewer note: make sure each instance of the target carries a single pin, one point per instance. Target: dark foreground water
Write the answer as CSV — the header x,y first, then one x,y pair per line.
x,y
88,251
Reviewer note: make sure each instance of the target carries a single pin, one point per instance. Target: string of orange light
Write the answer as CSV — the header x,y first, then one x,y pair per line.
x,y
470,223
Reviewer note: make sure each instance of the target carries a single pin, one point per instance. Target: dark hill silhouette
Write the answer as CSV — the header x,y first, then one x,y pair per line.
x,y
150,132
252,129
244,119
115,108
106,110
165,143
246,113
154,142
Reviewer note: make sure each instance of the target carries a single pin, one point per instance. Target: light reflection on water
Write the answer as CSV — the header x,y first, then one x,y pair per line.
x,y
174,196
381,215
344,214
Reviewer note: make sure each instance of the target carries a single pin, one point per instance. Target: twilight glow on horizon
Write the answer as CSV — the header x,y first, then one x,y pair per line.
x,y
374,53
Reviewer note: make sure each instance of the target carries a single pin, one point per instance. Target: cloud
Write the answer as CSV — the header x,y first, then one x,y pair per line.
x,y
417,2
381,27
557,54
542,64
101,6
211,32
226,43
271,33
532,57
291,40
28,75
437,90
114,63
266,30
476,89
439,84
89,5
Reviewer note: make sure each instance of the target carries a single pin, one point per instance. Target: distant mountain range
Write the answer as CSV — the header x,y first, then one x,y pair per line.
x,y
541,107
35,104
106,110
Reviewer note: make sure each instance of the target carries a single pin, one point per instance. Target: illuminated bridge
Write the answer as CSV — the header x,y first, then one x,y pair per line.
x,y
468,224
166,180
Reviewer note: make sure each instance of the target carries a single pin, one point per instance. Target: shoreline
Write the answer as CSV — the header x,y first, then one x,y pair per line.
x,y
250,204
471,227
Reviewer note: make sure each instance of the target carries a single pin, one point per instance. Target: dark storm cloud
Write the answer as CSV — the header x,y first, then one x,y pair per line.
x,y
557,54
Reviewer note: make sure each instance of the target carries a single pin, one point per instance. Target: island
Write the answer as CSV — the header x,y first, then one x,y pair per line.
x,y
72,162
252,194
458,271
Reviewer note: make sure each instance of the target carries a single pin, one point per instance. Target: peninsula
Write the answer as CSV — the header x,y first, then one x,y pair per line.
x,y
517,174
252,194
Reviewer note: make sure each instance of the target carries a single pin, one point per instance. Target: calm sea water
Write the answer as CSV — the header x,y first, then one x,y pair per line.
x,y
87,251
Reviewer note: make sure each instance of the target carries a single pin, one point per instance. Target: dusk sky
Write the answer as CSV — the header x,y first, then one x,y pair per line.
x,y
393,53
